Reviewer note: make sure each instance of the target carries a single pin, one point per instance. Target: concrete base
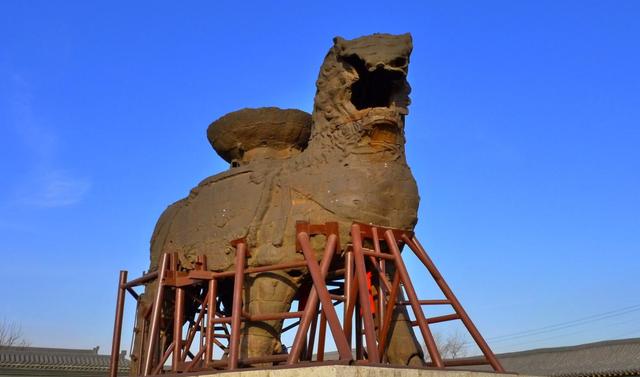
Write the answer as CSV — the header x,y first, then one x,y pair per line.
x,y
353,371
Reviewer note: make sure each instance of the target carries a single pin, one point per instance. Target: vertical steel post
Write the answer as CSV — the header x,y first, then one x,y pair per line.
x,y
117,325
178,319
358,328
383,270
197,326
143,332
363,294
312,302
348,295
236,309
211,314
320,292
321,337
312,335
413,299
155,316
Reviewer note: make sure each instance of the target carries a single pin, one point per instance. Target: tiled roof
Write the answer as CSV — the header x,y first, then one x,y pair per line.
x,y
611,358
57,359
601,359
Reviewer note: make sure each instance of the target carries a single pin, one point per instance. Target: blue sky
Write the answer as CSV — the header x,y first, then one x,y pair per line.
x,y
523,137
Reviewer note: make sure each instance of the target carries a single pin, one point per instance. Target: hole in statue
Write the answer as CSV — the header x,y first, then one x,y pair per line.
x,y
373,89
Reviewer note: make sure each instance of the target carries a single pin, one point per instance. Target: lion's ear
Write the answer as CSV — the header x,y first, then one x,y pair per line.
x,y
338,42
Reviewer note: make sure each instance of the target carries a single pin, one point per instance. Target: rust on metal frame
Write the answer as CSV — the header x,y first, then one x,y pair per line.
x,y
348,273
395,239
117,326
321,293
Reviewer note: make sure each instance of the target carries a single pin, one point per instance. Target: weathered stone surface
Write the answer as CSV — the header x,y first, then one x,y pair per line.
x,y
353,168
266,132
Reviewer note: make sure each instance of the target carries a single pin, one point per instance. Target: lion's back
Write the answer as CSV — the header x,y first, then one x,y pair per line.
x,y
219,210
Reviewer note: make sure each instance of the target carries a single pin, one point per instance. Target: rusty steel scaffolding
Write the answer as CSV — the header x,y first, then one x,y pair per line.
x,y
211,341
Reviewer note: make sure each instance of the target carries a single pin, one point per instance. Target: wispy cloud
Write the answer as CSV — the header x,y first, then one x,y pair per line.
x,y
55,189
46,182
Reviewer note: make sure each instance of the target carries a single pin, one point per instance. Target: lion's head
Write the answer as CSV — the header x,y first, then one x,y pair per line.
x,y
363,95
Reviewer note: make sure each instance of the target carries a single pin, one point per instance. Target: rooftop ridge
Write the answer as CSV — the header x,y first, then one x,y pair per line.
x,y
93,351
601,343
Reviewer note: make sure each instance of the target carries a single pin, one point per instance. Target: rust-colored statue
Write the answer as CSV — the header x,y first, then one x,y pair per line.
x,y
343,163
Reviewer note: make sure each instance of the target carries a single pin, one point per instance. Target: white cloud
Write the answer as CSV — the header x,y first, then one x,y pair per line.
x,y
55,189
46,181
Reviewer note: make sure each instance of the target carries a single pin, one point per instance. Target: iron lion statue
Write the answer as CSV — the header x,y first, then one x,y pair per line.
x,y
343,163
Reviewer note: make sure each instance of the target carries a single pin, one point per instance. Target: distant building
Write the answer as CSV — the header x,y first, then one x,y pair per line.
x,y
34,361
611,358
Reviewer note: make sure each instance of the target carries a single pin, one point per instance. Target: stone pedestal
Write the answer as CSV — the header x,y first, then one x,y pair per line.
x,y
353,371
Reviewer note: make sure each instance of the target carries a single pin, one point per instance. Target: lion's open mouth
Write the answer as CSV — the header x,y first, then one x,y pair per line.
x,y
381,87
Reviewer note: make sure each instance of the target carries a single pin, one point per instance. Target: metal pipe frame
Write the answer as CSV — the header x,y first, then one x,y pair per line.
x,y
194,329
312,335
321,337
382,283
155,316
236,309
347,272
178,319
348,295
117,325
363,294
420,252
320,292
386,322
401,269
211,314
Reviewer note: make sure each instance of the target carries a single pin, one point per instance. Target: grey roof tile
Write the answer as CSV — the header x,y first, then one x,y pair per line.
x,y
619,357
57,359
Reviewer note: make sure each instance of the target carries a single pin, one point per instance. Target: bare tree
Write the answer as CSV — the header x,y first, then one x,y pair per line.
x,y
11,335
452,346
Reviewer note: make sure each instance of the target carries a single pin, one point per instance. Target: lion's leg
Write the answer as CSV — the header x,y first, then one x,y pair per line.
x,y
265,293
403,347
